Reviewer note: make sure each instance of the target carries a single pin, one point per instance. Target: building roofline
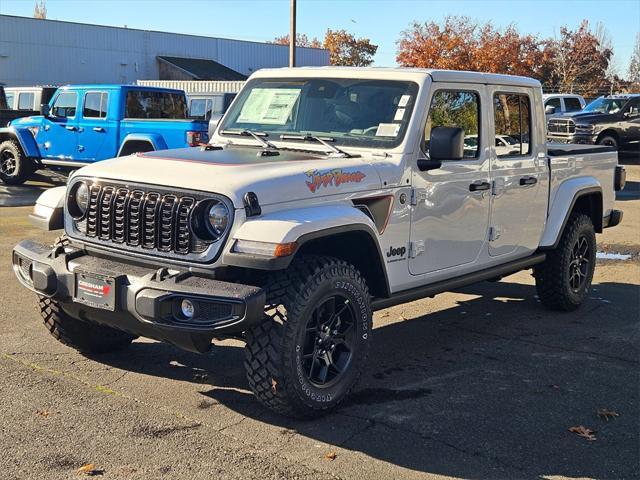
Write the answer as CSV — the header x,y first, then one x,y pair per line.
x,y
157,31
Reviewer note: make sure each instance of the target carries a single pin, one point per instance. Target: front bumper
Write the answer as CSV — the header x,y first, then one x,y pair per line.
x,y
576,138
143,301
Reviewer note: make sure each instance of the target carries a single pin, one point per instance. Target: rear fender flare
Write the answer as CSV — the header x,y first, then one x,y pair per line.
x,y
156,140
564,201
24,138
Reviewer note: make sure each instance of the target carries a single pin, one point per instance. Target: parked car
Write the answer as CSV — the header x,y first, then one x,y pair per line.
x,y
86,123
561,103
612,120
324,195
28,98
7,113
210,107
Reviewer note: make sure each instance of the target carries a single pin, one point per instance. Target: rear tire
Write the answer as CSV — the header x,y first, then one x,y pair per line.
x,y
307,355
564,278
15,168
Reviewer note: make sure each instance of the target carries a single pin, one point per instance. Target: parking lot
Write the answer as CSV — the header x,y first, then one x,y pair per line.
x,y
479,383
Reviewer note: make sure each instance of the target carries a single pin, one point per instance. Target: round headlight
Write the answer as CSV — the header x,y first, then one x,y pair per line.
x,y
82,197
78,200
218,218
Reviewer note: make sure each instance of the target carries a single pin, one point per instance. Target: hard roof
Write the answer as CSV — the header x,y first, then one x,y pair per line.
x,y
400,73
203,69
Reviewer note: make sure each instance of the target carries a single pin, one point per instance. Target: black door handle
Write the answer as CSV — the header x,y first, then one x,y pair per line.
x,y
528,181
479,186
98,129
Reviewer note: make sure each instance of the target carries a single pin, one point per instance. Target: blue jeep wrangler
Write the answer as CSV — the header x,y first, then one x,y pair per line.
x,y
86,123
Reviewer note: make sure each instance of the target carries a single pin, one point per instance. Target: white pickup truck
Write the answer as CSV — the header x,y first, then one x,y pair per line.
x,y
325,194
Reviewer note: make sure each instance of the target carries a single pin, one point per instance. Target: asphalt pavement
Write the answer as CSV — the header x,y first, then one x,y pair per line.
x,y
481,383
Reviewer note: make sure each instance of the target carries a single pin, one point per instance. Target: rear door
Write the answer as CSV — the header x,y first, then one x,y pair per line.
x,y
450,205
519,175
97,129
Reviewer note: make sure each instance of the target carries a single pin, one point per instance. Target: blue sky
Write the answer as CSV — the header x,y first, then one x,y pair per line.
x,y
380,20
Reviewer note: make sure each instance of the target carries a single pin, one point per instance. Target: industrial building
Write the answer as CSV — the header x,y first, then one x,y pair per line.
x,y
52,52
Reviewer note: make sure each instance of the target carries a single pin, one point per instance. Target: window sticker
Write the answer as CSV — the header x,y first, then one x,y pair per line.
x,y
388,130
404,100
399,115
269,106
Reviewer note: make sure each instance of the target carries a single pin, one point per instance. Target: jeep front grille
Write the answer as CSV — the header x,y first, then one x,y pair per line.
x,y
141,218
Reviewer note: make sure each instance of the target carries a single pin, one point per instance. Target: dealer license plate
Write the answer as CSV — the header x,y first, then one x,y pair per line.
x,y
95,290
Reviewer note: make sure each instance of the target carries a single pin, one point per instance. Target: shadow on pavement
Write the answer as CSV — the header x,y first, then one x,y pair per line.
x,y
486,389
26,194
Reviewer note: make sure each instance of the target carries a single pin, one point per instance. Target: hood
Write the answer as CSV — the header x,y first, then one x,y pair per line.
x,y
588,117
234,171
27,121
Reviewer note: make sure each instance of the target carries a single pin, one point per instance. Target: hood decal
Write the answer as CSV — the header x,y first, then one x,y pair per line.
x,y
335,177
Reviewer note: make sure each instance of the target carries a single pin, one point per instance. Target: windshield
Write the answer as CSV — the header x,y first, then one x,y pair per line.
x,y
349,112
605,105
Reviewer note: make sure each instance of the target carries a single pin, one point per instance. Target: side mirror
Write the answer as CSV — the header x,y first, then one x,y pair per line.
x,y
424,164
44,109
549,110
446,143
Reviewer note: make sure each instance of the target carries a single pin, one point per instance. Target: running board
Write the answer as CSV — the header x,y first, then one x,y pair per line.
x,y
432,289
63,163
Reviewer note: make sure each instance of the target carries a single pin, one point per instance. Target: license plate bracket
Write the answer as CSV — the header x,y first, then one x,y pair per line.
x,y
96,290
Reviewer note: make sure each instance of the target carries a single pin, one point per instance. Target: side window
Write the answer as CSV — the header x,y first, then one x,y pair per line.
x,y
10,97
553,102
511,113
572,104
95,105
65,105
455,108
634,107
198,108
25,101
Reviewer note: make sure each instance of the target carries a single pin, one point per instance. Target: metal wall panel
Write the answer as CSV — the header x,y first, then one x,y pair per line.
x,y
34,52
196,86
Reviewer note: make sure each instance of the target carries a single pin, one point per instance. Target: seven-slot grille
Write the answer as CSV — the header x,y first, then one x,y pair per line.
x,y
146,219
561,126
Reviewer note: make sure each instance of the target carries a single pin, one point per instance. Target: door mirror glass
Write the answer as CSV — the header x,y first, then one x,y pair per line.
x,y
44,109
550,110
446,143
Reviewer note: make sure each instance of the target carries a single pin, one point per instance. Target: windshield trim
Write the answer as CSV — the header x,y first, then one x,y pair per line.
x,y
226,125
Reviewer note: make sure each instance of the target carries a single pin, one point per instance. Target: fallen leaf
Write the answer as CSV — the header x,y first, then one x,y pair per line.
x,y
274,384
90,470
42,413
584,432
330,456
607,414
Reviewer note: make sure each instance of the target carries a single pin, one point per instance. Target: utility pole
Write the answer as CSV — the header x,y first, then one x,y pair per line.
x,y
292,36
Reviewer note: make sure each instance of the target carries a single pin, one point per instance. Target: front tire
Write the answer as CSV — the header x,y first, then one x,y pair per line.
x,y
609,141
307,355
563,280
15,168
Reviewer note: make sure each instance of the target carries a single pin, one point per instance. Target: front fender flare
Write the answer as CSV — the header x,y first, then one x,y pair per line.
x,y
24,137
48,212
155,139
299,225
564,200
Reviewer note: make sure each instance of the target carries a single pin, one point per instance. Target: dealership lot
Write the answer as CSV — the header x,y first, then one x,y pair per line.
x,y
480,383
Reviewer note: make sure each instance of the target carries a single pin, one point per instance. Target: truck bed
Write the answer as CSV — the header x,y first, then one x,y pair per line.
x,y
564,149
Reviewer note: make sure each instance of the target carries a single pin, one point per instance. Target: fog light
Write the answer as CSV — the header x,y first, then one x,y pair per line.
x,y
188,308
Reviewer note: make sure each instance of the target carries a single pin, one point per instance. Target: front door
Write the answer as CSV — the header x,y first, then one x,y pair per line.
x,y
450,205
519,173
60,128
631,122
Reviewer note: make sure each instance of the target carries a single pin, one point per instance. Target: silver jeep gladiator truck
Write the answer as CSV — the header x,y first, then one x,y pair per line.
x,y
324,195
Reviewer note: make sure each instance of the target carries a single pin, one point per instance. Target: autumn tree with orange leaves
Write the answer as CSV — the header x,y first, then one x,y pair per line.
x,y
344,48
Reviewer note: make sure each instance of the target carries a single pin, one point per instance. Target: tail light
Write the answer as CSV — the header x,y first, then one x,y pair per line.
x,y
196,138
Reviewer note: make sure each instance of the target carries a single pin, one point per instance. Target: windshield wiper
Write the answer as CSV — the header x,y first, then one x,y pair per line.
x,y
256,135
323,140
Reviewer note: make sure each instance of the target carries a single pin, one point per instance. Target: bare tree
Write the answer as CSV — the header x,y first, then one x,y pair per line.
x,y
634,66
40,10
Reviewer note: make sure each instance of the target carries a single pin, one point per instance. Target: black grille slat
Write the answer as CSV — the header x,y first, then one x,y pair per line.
x,y
132,216
149,223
